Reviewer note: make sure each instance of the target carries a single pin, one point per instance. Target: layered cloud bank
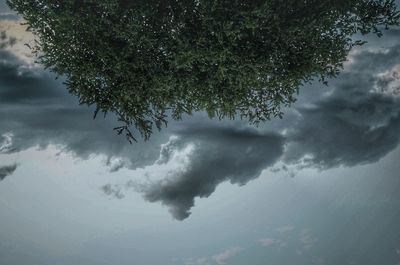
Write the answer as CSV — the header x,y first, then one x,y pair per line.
x,y
354,121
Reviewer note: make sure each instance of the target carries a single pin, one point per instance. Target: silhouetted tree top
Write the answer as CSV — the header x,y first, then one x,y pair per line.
x,y
146,60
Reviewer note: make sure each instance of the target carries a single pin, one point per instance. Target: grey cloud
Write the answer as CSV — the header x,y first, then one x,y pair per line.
x,y
9,16
112,191
21,87
375,59
6,13
353,125
6,171
389,82
220,154
6,143
115,166
38,111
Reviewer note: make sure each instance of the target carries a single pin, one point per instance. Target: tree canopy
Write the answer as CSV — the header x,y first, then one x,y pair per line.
x,y
146,60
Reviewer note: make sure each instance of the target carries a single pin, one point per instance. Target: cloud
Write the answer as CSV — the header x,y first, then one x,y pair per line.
x,y
354,124
37,110
6,171
271,242
6,142
215,155
112,191
197,261
302,241
388,82
197,159
267,242
8,16
285,229
307,239
222,258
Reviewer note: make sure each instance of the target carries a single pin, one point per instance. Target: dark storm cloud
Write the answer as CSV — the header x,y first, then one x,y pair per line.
x,y
219,155
330,138
6,171
37,110
357,123
24,87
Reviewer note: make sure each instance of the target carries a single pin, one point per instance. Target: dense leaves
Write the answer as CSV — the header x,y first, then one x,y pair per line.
x,y
145,60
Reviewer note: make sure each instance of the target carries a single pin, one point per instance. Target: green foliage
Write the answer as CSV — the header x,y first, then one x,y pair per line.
x,y
146,60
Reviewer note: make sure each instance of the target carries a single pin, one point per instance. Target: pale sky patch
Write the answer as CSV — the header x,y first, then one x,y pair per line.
x,y
285,229
17,30
266,242
197,261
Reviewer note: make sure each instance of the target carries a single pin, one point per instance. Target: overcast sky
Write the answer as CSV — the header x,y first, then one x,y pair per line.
x,y
321,186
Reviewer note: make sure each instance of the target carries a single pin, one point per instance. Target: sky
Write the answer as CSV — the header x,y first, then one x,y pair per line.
x,y
320,186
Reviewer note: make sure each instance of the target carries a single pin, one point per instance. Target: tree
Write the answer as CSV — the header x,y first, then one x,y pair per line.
x,y
146,60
